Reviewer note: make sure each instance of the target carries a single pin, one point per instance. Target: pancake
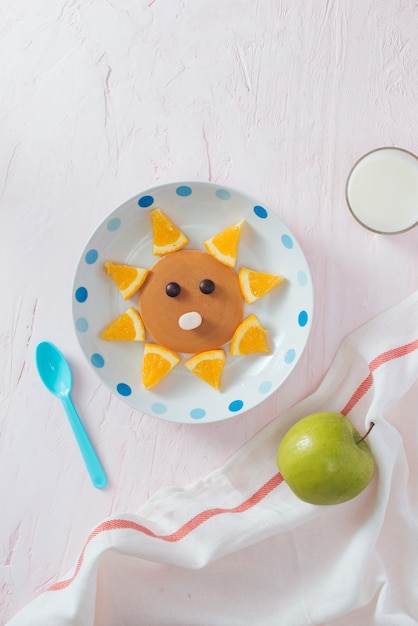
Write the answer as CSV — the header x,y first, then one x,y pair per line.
x,y
220,310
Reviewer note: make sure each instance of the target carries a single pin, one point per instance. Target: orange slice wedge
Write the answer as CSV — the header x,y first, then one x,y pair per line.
x,y
167,237
157,363
128,278
208,366
249,337
224,245
255,285
126,327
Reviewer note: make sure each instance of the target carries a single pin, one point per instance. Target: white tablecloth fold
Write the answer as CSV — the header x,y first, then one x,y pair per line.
x,y
238,548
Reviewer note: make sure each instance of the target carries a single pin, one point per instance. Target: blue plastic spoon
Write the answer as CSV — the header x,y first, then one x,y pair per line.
x,y
55,373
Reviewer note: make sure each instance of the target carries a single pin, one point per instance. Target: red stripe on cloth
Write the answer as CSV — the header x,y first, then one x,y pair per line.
x,y
361,390
183,531
385,357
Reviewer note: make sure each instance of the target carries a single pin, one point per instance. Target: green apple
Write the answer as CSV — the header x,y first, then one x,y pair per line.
x,y
324,460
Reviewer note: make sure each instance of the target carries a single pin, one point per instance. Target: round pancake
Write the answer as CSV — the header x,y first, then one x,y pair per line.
x,y
221,310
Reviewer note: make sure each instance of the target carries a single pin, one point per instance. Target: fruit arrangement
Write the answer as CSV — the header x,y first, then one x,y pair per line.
x,y
214,311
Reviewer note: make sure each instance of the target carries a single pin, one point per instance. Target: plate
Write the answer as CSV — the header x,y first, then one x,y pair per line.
x,y
201,210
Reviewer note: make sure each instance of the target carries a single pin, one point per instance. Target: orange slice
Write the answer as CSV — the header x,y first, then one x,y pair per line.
x,y
208,366
128,278
249,337
157,363
255,285
167,237
126,327
224,245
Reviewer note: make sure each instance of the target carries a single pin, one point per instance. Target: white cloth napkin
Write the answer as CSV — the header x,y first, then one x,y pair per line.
x,y
238,548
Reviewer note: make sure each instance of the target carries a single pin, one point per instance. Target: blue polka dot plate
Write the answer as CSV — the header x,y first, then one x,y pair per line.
x,y
200,210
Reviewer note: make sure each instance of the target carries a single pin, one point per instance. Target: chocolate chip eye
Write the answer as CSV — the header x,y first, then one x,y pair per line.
x,y
207,286
172,289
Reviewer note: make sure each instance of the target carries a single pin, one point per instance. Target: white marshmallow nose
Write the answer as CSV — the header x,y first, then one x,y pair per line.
x,y
190,320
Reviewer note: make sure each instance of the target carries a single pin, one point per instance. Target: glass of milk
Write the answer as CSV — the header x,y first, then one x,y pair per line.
x,y
382,190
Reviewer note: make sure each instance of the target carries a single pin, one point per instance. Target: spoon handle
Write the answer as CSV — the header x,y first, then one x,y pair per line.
x,y
94,467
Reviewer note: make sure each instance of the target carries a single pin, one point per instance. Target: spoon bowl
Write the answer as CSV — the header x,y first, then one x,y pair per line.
x,y
54,369
55,373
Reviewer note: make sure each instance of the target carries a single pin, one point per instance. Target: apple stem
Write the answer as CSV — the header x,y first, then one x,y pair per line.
x,y
368,432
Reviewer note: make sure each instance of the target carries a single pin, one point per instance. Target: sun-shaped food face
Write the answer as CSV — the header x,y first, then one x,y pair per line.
x,y
191,302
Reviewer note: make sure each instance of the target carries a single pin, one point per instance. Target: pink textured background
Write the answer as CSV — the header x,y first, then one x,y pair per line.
x,y
102,99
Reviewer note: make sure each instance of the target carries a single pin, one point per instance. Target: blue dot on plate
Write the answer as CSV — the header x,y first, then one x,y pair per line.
x,y
265,386
289,357
223,194
236,405
81,324
97,360
123,389
81,294
145,201
91,256
302,278
302,318
287,241
113,224
260,211
183,190
197,414
159,408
